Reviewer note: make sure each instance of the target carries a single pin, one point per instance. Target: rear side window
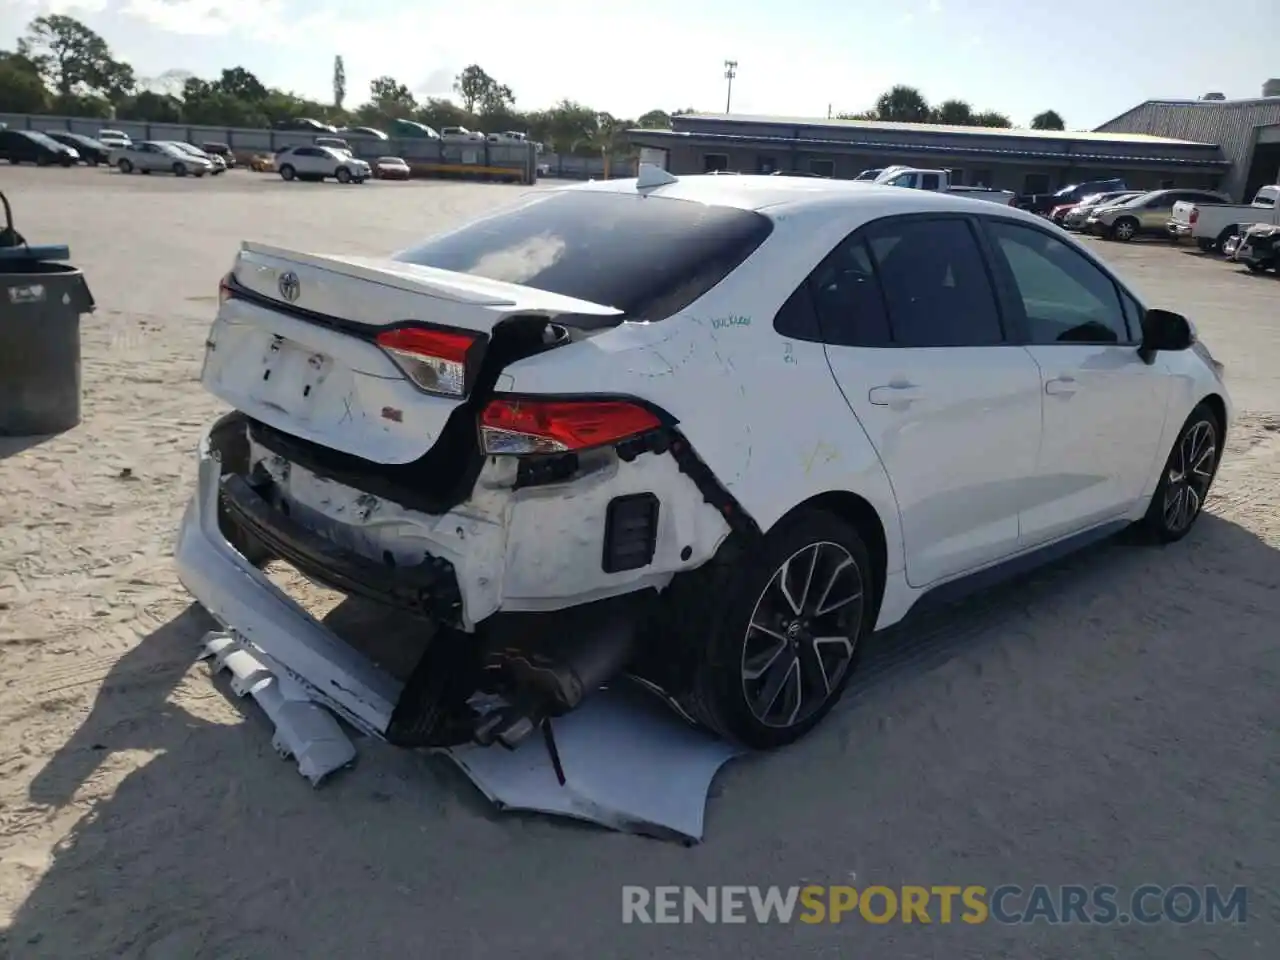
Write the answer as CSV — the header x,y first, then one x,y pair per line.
x,y
935,283
649,257
846,297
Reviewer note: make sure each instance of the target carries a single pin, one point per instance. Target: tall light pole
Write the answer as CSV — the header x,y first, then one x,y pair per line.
x,y
730,71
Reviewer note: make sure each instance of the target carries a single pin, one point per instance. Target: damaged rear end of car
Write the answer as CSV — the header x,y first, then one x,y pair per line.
x,y
373,449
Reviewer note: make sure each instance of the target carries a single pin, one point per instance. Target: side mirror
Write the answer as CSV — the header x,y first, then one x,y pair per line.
x,y
1164,330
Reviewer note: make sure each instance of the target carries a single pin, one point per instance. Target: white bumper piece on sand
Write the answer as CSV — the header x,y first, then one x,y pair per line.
x,y
620,760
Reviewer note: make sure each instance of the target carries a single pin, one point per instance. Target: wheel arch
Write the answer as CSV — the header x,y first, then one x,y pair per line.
x,y
1218,406
859,513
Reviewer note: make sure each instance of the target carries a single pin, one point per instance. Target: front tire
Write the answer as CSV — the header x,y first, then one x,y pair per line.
x,y
776,634
343,175
1124,229
1188,475
179,169
125,166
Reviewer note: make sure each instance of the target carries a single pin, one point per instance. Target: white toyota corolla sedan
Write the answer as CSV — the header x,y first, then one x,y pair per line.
x,y
708,432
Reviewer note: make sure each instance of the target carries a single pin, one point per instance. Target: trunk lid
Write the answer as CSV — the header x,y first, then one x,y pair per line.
x,y
293,344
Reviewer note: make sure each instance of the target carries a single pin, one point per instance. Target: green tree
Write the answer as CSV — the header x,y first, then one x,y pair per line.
x,y
991,118
567,127
239,83
956,113
150,107
440,112
339,82
655,120
390,100
902,104
73,60
480,92
21,89
1049,120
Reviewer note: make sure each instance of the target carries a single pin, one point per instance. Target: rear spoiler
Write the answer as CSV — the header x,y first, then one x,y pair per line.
x,y
465,288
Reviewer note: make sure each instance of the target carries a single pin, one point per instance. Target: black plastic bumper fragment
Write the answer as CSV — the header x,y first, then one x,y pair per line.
x,y
691,465
428,589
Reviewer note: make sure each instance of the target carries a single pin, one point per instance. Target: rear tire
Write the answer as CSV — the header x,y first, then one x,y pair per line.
x,y
287,172
762,674
1220,244
1188,475
1206,246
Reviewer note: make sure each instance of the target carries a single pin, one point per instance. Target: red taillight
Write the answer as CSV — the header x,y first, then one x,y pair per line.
x,y
435,360
1195,215
225,290
559,426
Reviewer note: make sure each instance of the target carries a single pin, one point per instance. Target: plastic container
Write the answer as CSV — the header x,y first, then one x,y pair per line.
x,y
41,303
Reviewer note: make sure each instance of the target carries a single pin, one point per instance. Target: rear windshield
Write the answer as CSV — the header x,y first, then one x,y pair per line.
x,y
649,257
41,139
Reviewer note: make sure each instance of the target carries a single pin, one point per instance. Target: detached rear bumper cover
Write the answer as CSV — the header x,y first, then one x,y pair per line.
x,y
627,764
291,641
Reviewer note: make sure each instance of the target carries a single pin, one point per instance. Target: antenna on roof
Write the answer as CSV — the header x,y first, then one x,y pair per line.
x,y
651,175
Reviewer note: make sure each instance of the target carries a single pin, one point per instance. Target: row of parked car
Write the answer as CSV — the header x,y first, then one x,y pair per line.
x,y
114,148
332,158
1246,233
401,129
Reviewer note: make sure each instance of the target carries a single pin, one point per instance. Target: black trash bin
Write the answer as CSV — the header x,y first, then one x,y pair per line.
x,y
41,302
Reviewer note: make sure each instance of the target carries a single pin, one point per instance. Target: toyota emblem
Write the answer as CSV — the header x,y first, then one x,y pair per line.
x,y
289,286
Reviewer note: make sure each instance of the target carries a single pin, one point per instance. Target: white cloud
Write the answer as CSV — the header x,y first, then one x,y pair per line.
x,y
263,19
29,9
935,6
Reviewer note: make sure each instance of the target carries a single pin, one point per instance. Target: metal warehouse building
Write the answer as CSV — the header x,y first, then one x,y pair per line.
x,y
1247,132
1220,144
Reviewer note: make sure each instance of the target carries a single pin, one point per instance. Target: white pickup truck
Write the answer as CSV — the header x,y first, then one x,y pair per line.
x,y
1212,223
940,182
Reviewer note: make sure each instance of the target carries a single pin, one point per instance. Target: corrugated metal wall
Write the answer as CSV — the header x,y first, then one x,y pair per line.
x,y
1230,125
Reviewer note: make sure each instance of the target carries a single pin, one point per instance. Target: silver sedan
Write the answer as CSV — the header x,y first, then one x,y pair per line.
x,y
148,156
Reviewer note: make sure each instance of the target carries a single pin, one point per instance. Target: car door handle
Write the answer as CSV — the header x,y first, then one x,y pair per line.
x,y
1061,386
894,395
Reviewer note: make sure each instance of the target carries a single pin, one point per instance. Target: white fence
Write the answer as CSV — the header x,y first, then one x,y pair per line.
x,y
249,140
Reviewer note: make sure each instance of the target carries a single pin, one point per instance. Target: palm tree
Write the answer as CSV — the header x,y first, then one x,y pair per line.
x,y
990,118
1049,120
957,113
903,104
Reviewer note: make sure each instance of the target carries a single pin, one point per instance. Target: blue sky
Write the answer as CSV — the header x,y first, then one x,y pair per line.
x,y
795,58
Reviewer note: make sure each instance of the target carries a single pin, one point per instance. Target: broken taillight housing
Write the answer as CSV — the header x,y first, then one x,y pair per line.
x,y
521,427
226,289
435,361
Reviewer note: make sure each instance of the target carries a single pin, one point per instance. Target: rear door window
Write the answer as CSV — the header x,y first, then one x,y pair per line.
x,y
648,256
935,281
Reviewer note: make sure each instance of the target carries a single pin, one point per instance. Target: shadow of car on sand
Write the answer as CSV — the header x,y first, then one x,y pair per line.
x,y
946,762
